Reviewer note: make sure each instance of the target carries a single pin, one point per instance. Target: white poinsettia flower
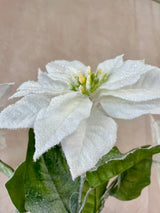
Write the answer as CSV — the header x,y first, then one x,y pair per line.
x,y
5,90
155,127
72,105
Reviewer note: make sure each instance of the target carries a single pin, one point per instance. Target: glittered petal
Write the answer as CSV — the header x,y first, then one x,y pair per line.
x,y
78,66
129,73
136,95
59,120
123,109
28,85
61,70
5,90
94,138
109,65
148,80
23,113
48,83
33,87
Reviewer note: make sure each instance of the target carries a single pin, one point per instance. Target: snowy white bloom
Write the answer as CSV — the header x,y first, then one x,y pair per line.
x,y
70,104
5,90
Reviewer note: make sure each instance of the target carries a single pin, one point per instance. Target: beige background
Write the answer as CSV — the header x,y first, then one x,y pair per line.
x,y
34,32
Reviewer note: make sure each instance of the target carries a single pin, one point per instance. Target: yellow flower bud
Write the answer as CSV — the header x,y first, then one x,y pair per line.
x,y
82,79
88,70
82,90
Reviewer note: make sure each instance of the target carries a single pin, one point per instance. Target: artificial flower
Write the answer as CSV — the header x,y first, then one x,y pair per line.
x,y
72,105
5,90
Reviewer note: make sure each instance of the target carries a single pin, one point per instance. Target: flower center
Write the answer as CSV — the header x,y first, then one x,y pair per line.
x,y
87,82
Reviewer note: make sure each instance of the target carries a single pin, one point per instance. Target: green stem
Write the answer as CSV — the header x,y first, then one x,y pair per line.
x,y
107,193
6,169
80,191
85,198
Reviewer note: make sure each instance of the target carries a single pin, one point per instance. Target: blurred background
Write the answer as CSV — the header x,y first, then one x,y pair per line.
x,y
35,32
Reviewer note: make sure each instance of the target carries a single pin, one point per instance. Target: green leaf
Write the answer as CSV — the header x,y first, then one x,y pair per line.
x,y
115,163
15,188
5,169
73,202
48,183
93,201
132,181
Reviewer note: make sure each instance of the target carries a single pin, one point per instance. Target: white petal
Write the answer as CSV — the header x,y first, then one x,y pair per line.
x,y
94,138
111,64
123,109
136,95
148,80
128,74
78,65
33,87
29,85
61,70
155,111
5,90
23,113
60,119
46,82
45,85
2,139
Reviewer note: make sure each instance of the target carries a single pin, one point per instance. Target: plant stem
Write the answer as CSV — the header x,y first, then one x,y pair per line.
x,y
106,194
85,198
80,191
6,169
